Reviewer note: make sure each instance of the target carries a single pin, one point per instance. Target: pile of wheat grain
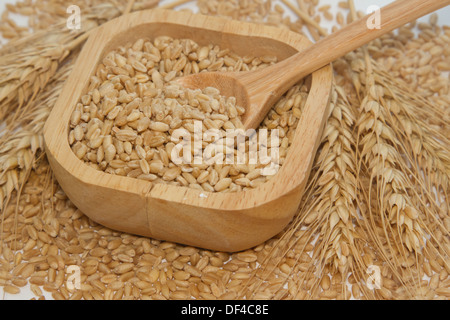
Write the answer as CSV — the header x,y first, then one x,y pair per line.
x,y
378,195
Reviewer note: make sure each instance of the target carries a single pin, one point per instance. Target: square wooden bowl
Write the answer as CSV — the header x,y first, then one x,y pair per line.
x,y
216,221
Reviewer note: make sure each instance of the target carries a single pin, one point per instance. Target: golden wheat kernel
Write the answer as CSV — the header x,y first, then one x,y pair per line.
x,y
123,268
11,289
222,184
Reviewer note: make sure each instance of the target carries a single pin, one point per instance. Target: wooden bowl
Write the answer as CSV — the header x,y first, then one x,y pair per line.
x,y
217,221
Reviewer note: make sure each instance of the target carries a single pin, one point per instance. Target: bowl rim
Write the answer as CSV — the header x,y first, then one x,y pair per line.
x,y
56,131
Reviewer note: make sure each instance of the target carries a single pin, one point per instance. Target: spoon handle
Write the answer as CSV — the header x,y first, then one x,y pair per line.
x,y
288,72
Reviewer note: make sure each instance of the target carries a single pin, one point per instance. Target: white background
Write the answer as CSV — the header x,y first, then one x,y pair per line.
x,y
444,19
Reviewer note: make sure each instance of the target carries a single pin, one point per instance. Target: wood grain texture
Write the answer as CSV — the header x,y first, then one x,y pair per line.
x,y
258,90
224,222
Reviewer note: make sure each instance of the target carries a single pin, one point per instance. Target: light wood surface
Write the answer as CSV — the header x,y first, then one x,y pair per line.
x,y
224,222
259,90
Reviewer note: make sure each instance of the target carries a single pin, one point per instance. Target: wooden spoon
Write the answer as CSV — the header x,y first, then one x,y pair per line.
x,y
258,90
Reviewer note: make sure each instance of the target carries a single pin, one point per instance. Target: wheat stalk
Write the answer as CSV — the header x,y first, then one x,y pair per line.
x,y
397,198
23,142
